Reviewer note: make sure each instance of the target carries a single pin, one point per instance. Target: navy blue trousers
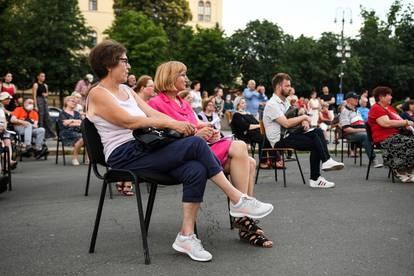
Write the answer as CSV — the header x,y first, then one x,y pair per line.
x,y
189,160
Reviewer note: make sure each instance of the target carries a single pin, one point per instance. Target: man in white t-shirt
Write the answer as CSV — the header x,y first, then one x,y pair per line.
x,y
307,139
195,93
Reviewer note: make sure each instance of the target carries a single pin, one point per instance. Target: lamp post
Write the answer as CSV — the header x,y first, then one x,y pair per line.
x,y
343,48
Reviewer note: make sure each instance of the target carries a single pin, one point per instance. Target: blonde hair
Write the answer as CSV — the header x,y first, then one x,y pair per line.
x,y
76,94
68,98
166,75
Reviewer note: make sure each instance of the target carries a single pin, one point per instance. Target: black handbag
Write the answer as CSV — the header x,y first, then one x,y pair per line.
x,y
152,139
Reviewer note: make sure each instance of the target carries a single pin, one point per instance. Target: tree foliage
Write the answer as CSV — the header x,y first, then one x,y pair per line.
x,y
47,36
145,41
171,14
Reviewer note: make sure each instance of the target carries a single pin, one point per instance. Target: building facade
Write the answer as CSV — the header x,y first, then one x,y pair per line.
x,y
99,14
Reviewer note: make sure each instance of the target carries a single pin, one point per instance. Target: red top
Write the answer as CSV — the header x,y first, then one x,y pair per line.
x,y
380,133
9,90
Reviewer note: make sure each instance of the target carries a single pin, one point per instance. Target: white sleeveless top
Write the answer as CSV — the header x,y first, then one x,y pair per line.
x,y
113,136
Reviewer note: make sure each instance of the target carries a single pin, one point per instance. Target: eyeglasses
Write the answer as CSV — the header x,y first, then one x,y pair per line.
x,y
124,60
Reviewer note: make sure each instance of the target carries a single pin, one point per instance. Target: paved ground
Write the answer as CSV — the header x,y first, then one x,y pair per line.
x,y
359,228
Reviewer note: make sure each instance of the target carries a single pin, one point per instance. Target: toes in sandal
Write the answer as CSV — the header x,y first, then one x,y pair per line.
x,y
127,190
255,239
247,224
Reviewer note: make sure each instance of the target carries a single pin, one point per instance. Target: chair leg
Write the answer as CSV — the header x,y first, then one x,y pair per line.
x,y
150,205
57,152
342,150
300,167
368,169
253,148
284,169
111,194
230,217
63,154
258,166
98,217
88,179
360,156
142,222
356,153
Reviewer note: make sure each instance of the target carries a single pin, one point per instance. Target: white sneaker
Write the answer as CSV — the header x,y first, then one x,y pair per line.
x,y
75,162
332,165
321,183
250,207
404,178
377,164
191,246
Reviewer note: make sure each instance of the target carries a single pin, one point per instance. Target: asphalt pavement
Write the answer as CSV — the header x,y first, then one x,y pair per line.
x,y
358,228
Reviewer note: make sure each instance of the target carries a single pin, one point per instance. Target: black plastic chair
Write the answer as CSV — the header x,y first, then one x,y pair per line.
x,y
5,165
282,152
358,147
375,146
95,151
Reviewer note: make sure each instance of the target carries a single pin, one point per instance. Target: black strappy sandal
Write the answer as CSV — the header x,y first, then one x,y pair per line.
x,y
247,224
255,239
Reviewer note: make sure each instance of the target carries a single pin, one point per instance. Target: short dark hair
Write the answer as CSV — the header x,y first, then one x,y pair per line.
x,y
279,78
194,83
381,91
406,106
105,55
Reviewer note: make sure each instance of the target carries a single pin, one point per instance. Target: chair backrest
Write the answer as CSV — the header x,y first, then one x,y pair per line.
x,y
93,143
369,133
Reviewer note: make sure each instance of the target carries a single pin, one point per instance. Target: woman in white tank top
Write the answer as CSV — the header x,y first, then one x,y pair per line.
x,y
116,111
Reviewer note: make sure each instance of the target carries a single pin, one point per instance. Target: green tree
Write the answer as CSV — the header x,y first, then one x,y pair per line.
x,y
258,50
145,41
47,36
171,14
208,56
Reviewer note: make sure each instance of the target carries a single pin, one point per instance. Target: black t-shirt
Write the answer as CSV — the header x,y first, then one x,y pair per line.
x,y
327,98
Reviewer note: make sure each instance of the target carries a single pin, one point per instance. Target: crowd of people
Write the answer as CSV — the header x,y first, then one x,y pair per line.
x,y
170,100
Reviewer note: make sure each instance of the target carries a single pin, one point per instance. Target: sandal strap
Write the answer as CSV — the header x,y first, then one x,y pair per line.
x,y
247,224
253,238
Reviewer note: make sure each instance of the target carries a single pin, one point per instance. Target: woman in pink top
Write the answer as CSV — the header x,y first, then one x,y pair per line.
x,y
232,154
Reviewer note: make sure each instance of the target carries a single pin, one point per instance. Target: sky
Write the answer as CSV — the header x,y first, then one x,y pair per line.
x,y
308,17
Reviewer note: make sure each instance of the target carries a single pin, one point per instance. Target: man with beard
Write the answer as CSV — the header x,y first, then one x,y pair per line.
x,y
303,138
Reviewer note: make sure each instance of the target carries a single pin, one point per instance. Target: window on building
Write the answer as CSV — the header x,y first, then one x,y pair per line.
x,y
207,12
94,38
93,5
200,11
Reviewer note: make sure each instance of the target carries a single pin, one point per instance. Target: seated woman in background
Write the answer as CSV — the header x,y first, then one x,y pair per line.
x,y
145,88
386,125
233,155
408,110
69,128
209,114
325,120
246,128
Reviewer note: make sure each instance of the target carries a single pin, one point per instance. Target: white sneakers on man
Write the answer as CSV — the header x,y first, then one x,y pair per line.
x,y
332,165
250,207
191,246
321,183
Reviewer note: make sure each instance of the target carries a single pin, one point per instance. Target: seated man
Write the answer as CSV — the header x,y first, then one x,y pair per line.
x,y
353,126
26,121
304,139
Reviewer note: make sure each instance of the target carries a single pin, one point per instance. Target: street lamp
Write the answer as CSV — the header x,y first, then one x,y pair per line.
x,y
343,49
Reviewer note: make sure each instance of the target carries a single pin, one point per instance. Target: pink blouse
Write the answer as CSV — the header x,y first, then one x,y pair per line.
x,y
164,104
